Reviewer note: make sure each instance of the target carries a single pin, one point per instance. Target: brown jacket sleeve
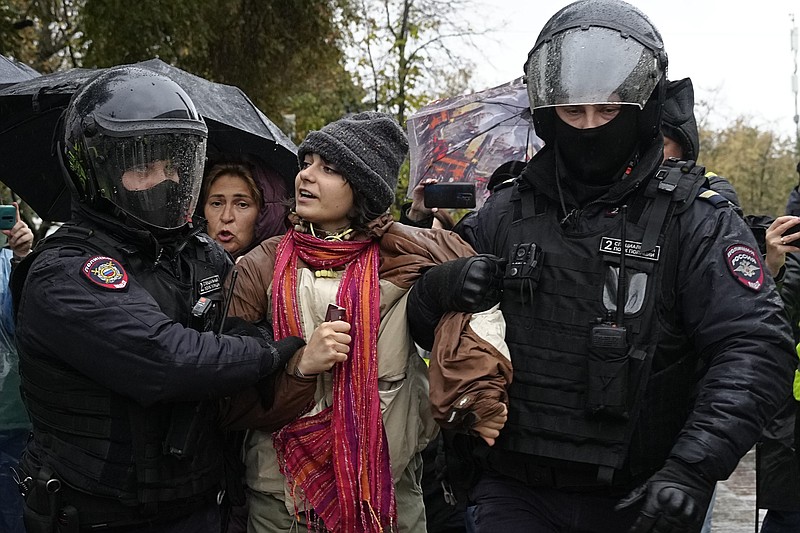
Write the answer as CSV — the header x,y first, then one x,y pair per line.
x,y
470,370
469,375
247,409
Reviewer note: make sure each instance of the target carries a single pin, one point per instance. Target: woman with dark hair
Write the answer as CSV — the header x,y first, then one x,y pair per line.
x,y
243,202
351,462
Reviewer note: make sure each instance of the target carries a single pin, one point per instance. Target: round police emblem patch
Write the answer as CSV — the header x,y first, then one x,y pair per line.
x,y
105,272
745,265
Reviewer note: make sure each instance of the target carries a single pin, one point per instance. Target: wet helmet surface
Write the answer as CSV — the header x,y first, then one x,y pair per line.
x,y
134,139
595,52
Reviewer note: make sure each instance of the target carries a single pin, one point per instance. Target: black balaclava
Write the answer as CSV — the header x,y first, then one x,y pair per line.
x,y
598,156
156,205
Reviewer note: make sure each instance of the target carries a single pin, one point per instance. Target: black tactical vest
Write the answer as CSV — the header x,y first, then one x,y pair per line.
x,y
104,444
590,386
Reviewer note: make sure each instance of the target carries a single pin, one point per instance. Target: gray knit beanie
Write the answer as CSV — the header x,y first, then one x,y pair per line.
x,y
368,149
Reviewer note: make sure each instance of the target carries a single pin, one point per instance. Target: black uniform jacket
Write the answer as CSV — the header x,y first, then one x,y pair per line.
x,y
739,333
121,339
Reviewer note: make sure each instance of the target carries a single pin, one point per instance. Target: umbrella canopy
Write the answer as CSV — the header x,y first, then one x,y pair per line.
x,y
12,71
29,113
465,138
30,128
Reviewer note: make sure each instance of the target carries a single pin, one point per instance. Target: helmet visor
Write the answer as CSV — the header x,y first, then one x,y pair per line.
x,y
154,177
591,66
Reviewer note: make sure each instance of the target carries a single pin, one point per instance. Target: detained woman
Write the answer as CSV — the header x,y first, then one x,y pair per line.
x,y
359,410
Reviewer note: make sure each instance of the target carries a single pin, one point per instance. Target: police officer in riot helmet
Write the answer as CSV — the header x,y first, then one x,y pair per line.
x,y
119,316
133,158
648,344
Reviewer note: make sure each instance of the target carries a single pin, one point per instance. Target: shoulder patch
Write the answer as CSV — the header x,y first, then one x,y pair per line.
x,y
745,265
106,273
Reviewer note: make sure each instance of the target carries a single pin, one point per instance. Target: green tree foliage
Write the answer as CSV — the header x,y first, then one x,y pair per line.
x,y
10,23
44,34
285,54
403,52
758,162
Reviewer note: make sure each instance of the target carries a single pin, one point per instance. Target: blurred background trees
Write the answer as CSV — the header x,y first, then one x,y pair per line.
x,y
313,60
760,163
302,62
307,62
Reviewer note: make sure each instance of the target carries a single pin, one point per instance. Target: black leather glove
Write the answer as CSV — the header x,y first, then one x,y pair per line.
x,y
675,499
467,284
478,285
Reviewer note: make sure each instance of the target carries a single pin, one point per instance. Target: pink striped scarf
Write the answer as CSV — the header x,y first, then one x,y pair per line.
x,y
339,458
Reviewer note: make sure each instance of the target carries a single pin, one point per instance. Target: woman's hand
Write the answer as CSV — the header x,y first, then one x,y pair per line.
x,y
329,344
779,245
489,429
418,211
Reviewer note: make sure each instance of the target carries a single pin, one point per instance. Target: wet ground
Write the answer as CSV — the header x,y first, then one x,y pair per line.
x,y
734,510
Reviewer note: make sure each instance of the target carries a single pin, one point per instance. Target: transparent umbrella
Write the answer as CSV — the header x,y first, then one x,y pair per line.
x,y
465,138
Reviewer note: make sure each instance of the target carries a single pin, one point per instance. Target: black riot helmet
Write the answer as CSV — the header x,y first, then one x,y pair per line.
x,y
595,52
134,142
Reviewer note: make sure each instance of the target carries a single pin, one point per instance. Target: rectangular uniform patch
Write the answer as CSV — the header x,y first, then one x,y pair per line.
x,y
209,285
611,246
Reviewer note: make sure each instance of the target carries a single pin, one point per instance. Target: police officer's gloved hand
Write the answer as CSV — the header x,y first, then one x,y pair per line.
x,y
280,351
467,284
674,499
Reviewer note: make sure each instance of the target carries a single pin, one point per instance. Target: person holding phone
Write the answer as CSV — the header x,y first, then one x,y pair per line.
x,y
423,210
19,236
778,459
352,462
14,422
416,213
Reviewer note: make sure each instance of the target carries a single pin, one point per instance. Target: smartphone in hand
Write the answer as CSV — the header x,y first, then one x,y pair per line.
x,y
8,216
456,195
793,229
335,312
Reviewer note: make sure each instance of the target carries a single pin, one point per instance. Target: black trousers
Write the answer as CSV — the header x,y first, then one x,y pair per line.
x,y
503,505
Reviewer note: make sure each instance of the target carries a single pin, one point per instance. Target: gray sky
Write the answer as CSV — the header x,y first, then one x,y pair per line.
x,y
737,53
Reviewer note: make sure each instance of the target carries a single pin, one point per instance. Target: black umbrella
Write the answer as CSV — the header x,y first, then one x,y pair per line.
x,y
12,71
29,113
29,131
